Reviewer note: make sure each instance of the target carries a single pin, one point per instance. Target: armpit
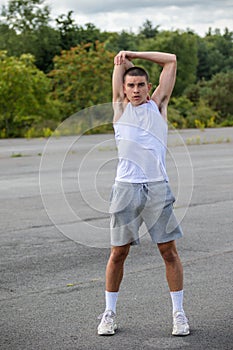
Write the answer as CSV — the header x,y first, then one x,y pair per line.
x,y
118,108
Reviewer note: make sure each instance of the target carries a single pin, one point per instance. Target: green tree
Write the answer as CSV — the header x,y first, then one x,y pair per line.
x,y
8,39
122,41
147,30
24,95
82,77
184,45
68,31
218,94
90,34
215,54
45,44
25,28
26,15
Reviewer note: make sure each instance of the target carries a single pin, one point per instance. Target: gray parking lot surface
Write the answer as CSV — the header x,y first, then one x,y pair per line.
x,y
54,246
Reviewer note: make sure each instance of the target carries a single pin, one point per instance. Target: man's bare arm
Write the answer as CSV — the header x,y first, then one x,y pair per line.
x,y
118,96
163,92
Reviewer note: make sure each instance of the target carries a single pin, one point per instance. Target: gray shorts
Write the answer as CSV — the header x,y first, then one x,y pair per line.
x,y
131,204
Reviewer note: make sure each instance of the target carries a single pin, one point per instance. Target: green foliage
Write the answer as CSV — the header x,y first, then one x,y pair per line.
x,y
184,45
218,94
23,95
182,104
67,30
26,15
25,29
183,113
8,39
192,92
102,129
121,41
82,77
215,54
175,118
45,45
148,31
201,116
72,35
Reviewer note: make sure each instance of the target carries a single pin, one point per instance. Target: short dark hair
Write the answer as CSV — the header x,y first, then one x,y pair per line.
x,y
136,71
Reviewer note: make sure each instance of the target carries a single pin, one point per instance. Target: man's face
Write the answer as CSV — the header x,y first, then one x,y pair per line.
x,y
136,89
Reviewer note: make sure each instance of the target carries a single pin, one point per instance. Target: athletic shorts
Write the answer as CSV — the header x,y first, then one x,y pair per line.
x,y
131,204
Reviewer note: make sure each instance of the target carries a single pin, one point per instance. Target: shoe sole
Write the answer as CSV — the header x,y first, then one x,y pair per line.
x,y
181,334
108,333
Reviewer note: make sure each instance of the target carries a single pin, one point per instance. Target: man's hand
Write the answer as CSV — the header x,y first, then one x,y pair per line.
x,y
122,57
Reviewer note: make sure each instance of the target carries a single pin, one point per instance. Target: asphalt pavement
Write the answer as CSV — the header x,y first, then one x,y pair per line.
x,y
54,245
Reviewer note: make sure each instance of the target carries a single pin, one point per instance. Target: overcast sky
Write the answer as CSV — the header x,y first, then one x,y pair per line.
x,y
116,15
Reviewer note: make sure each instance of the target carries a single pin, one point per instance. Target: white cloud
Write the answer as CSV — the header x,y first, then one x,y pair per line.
x,y
94,7
112,15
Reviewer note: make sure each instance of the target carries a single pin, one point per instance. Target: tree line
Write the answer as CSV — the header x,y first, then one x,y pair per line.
x,y
49,71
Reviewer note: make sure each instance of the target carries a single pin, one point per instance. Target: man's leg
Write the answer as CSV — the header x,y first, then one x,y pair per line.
x,y
174,274
115,267
114,275
174,269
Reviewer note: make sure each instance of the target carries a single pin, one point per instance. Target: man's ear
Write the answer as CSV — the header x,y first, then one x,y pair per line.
x,y
149,86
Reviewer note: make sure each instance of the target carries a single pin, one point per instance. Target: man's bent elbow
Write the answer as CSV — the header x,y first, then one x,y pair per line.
x,y
173,58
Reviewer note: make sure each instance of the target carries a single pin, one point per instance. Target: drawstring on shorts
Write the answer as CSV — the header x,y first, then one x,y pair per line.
x,y
145,188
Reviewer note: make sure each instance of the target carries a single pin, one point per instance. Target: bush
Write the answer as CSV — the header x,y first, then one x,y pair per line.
x,y
176,120
201,116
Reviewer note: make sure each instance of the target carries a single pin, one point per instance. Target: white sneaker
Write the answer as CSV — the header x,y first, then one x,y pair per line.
x,y
180,324
108,324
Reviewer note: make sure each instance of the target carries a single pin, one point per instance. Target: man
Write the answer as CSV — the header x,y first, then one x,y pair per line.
x,y
141,192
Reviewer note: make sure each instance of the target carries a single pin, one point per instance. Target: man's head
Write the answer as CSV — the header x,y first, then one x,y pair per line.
x,y
136,85
136,71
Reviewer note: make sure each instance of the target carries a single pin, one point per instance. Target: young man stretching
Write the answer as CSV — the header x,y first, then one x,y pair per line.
x,y
141,192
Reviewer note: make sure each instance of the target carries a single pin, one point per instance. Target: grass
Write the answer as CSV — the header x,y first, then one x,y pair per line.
x,y
16,155
197,140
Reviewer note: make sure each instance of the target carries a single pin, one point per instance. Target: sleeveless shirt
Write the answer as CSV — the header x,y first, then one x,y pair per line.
x,y
141,139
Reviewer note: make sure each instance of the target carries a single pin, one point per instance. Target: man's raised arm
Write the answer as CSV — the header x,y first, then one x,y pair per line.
x,y
163,92
118,96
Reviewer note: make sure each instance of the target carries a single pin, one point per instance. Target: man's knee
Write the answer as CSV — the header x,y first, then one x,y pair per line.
x,y
168,252
119,254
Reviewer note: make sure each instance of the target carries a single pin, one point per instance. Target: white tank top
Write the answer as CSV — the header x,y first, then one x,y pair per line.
x,y
141,138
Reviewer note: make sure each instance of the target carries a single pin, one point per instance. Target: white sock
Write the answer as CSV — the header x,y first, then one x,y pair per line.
x,y
177,301
111,300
